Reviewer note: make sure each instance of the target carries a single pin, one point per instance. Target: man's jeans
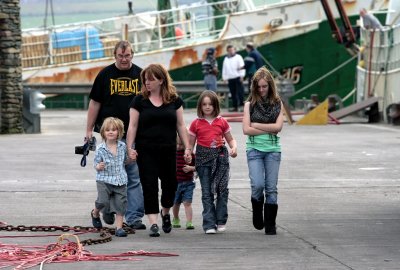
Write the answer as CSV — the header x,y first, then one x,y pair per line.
x,y
263,173
213,214
135,209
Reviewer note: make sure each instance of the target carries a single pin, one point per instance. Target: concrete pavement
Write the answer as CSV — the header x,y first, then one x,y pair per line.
x,y
339,194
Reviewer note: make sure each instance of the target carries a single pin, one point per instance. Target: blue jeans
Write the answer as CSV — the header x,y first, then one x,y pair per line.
x,y
213,214
210,82
184,192
135,209
263,173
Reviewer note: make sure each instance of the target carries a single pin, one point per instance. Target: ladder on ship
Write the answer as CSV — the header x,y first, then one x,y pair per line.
x,y
347,37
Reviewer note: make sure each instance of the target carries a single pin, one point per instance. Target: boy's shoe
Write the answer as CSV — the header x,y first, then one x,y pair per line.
x,y
96,221
221,228
121,233
176,223
166,222
138,225
154,231
189,225
109,218
211,231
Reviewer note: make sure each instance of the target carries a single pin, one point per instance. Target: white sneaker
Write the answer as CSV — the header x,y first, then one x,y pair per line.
x,y
221,228
211,231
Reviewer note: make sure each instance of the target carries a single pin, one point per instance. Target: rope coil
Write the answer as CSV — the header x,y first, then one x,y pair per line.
x,y
63,251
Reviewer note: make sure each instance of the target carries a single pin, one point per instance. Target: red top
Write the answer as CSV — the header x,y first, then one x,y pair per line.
x,y
181,176
209,134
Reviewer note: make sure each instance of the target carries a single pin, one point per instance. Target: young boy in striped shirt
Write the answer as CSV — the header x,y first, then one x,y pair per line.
x,y
186,185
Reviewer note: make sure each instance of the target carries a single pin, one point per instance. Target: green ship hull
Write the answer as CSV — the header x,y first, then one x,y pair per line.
x,y
304,58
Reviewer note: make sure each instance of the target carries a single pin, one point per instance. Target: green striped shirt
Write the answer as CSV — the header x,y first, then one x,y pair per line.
x,y
264,143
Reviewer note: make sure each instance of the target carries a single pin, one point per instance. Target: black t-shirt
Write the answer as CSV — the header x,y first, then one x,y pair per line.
x,y
115,89
157,125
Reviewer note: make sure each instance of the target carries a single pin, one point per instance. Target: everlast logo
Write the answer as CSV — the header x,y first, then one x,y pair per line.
x,y
124,86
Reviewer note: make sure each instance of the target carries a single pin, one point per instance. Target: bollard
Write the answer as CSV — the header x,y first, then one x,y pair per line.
x,y
32,106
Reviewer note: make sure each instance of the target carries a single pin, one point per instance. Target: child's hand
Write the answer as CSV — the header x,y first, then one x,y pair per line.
x,y
187,168
101,166
129,161
233,152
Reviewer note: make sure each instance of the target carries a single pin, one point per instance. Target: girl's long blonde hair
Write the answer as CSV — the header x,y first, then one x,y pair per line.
x,y
167,91
272,94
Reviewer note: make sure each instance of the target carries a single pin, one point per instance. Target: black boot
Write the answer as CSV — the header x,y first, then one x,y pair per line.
x,y
270,211
258,220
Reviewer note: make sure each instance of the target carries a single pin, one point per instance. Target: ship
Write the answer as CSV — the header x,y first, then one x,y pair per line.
x,y
295,38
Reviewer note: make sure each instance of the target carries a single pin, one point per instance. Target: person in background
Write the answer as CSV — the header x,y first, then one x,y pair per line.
x,y
252,62
113,90
369,20
233,73
212,160
111,178
210,71
156,115
186,186
262,121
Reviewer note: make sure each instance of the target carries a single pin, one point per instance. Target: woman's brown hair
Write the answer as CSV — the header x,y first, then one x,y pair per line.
x,y
167,91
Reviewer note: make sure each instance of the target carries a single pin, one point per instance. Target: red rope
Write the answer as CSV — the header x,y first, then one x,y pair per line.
x,y
24,257
370,62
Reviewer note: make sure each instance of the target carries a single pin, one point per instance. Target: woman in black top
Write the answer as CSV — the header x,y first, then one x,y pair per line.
x,y
155,117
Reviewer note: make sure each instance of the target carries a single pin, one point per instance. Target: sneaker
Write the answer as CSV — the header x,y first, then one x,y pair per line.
x,y
221,228
166,222
154,231
176,223
96,221
120,233
189,225
211,231
109,218
138,225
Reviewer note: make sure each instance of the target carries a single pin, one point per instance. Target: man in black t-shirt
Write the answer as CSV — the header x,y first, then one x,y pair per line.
x,y
112,92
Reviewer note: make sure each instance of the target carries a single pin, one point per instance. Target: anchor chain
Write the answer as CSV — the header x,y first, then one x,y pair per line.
x,y
105,233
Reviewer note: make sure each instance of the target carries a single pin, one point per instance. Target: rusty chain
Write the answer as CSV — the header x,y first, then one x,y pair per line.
x,y
105,233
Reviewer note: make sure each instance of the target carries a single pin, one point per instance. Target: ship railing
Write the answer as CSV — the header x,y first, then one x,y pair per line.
x,y
381,49
61,45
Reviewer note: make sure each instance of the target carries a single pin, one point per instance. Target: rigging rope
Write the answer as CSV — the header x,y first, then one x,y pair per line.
x,y
326,75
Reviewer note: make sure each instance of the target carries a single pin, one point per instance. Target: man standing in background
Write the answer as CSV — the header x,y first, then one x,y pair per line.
x,y
252,62
369,20
233,73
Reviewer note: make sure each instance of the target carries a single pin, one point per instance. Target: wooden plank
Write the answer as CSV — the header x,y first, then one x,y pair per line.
x,y
354,108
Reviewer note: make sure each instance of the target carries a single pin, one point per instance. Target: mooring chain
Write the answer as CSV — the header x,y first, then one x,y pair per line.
x,y
105,233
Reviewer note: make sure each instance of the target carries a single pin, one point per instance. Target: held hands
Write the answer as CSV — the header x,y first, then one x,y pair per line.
x,y
132,154
101,166
188,155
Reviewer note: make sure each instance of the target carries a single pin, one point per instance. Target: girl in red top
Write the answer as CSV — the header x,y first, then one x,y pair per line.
x,y
212,160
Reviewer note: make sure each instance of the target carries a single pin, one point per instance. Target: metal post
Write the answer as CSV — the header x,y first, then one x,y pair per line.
x,y
87,43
